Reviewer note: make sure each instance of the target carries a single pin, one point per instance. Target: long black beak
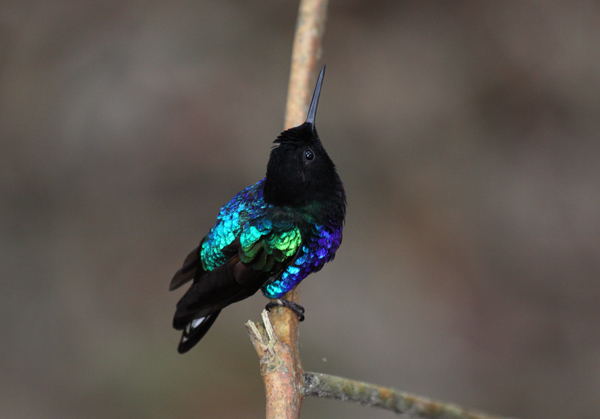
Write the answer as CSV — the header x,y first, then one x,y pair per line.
x,y
312,111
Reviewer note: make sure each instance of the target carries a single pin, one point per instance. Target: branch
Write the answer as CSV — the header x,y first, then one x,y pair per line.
x,y
305,53
277,362
338,388
276,339
277,345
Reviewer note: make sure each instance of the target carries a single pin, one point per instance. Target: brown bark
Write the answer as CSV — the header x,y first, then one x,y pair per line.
x,y
278,351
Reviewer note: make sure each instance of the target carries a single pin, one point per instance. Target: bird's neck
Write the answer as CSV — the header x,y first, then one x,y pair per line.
x,y
325,209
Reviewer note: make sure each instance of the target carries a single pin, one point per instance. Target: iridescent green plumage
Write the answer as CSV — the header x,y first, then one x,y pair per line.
x,y
249,220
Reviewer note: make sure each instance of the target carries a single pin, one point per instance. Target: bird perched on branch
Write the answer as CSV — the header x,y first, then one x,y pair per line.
x,y
270,236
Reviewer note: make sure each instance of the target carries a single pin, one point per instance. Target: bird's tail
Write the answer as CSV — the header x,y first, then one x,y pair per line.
x,y
199,307
195,330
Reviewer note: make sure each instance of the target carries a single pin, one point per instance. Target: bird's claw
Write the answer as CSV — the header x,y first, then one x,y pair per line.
x,y
296,308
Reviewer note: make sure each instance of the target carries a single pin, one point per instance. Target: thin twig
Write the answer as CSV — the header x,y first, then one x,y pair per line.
x,y
276,339
305,53
338,388
282,370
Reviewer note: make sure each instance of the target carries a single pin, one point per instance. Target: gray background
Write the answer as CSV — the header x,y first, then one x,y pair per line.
x,y
467,135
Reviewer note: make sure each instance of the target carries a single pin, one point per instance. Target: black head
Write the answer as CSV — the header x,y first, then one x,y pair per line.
x,y
299,170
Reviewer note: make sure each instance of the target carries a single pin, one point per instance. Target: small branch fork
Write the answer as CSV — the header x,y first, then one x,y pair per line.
x,y
285,391
279,369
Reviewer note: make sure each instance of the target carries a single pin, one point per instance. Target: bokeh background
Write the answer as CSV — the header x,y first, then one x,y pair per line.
x,y
468,138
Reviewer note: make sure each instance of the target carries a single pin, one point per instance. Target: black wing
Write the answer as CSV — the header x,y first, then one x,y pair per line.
x,y
244,273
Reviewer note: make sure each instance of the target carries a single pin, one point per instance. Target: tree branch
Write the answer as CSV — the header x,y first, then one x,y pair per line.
x,y
278,351
338,388
277,361
305,53
276,339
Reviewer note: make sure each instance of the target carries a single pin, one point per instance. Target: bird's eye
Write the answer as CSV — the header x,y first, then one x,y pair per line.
x,y
308,154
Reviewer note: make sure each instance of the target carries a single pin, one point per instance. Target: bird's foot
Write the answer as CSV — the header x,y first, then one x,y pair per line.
x,y
296,308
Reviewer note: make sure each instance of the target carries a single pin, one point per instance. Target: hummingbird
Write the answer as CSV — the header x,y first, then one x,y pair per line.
x,y
270,236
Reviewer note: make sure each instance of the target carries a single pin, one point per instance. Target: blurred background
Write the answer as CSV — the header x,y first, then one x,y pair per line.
x,y
467,136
